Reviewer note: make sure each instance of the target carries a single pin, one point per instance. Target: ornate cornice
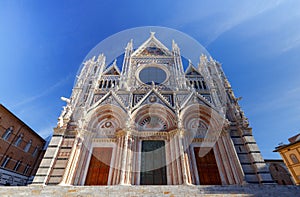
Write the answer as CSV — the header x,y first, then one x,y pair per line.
x,y
107,140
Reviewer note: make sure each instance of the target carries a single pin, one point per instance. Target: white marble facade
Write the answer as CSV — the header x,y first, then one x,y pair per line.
x,y
151,122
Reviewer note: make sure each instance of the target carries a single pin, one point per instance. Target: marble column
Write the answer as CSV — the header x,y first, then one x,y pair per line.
x,y
128,161
116,162
182,158
177,156
124,158
174,160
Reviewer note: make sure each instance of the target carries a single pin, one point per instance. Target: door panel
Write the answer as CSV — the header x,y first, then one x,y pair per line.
x,y
207,168
153,163
99,167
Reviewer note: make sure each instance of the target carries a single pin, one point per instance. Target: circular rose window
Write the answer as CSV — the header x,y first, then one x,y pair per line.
x,y
149,74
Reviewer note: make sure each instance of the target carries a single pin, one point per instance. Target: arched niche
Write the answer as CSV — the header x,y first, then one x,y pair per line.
x,y
154,117
202,122
107,118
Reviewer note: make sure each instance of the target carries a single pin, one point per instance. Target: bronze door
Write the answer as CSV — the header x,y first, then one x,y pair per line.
x,y
207,168
153,163
99,167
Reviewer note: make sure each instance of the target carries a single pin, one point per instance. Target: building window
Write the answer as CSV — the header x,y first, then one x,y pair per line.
x,y
294,158
28,145
6,160
7,133
35,151
19,140
26,169
17,165
204,85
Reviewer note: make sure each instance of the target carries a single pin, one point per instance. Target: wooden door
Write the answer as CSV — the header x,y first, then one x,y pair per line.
x,y
99,167
153,163
207,168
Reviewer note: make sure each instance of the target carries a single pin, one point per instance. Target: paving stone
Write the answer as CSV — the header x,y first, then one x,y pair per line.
x,y
147,191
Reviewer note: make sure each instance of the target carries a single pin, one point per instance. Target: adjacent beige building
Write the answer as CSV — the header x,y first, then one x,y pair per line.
x,y
290,154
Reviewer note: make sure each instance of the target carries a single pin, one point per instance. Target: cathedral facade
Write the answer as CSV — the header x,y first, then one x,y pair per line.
x,y
152,122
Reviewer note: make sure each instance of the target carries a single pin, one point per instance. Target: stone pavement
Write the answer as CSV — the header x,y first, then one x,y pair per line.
x,y
153,191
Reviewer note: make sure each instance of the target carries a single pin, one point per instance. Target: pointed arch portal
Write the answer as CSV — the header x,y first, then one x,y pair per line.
x,y
207,168
153,163
99,166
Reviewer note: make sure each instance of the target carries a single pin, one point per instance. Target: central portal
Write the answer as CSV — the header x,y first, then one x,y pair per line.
x,y
153,163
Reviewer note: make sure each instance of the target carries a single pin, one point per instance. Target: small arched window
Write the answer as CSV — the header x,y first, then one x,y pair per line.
x,y
28,145
7,133
17,165
109,84
294,158
35,151
204,85
26,169
101,84
199,84
195,85
19,140
6,160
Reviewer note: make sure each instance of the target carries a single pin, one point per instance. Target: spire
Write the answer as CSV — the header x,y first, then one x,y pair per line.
x,y
128,52
203,58
173,43
100,57
203,62
129,45
175,47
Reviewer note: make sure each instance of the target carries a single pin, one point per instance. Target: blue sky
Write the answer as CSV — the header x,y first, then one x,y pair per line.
x,y
42,44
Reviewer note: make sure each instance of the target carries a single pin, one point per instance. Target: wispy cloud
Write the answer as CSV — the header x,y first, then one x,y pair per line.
x,y
291,43
239,16
44,93
288,100
217,20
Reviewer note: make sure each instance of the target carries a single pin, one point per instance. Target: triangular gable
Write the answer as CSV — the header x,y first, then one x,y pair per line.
x,y
110,98
191,70
152,97
124,98
152,51
181,98
152,47
112,70
194,98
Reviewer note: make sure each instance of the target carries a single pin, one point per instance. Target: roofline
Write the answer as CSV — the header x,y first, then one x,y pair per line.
x,y
274,160
285,146
23,123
